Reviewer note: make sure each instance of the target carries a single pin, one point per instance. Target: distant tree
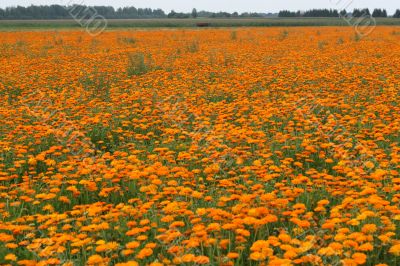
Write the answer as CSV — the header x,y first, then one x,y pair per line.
x,y
379,13
172,14
204,14
63,12
321,13
194,13
356,13
361,13
365,12
223,15
287,13
310,13
343,13
159,13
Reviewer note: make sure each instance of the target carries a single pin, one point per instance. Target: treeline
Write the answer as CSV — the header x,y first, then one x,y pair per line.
x,y
65,12
378,13
310,13
109,12
207,14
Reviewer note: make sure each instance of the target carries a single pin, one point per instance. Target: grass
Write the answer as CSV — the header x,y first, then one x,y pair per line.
x,y
187,23
138,64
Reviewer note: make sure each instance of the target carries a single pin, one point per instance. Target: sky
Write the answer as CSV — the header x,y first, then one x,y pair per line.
x,y
264,6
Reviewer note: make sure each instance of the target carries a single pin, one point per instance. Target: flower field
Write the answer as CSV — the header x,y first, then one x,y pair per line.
x,y
249,146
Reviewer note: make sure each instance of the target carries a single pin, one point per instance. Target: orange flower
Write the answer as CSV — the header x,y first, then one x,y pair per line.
x,y
144,253
95,260
188,258
232,255
359,258
132,245
369,228
257,256
11,257
196,141
395,250
201,260
129,263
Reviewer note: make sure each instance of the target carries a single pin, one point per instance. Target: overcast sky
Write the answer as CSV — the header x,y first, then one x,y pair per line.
x,y
223,5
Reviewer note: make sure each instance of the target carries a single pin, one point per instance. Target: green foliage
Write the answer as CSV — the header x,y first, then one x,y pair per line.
x,y
322,44
284,34
194,13
138,65
127,40
193,47
11,25
234,35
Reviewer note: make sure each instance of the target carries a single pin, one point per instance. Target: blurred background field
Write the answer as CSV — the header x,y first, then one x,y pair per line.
x,y
189,23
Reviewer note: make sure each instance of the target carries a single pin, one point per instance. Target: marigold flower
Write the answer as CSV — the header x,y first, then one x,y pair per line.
x,y
95,259
144,253
201,260
359,258
129,263
369,228
188,258
232,255
11,257
395,250
196,141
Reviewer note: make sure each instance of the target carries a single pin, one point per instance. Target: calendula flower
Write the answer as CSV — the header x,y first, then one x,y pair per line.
x,y
144,253
95,259
395,250
201,260
133,245
359,258
369,228
11,257
129,263
269,146
232,255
